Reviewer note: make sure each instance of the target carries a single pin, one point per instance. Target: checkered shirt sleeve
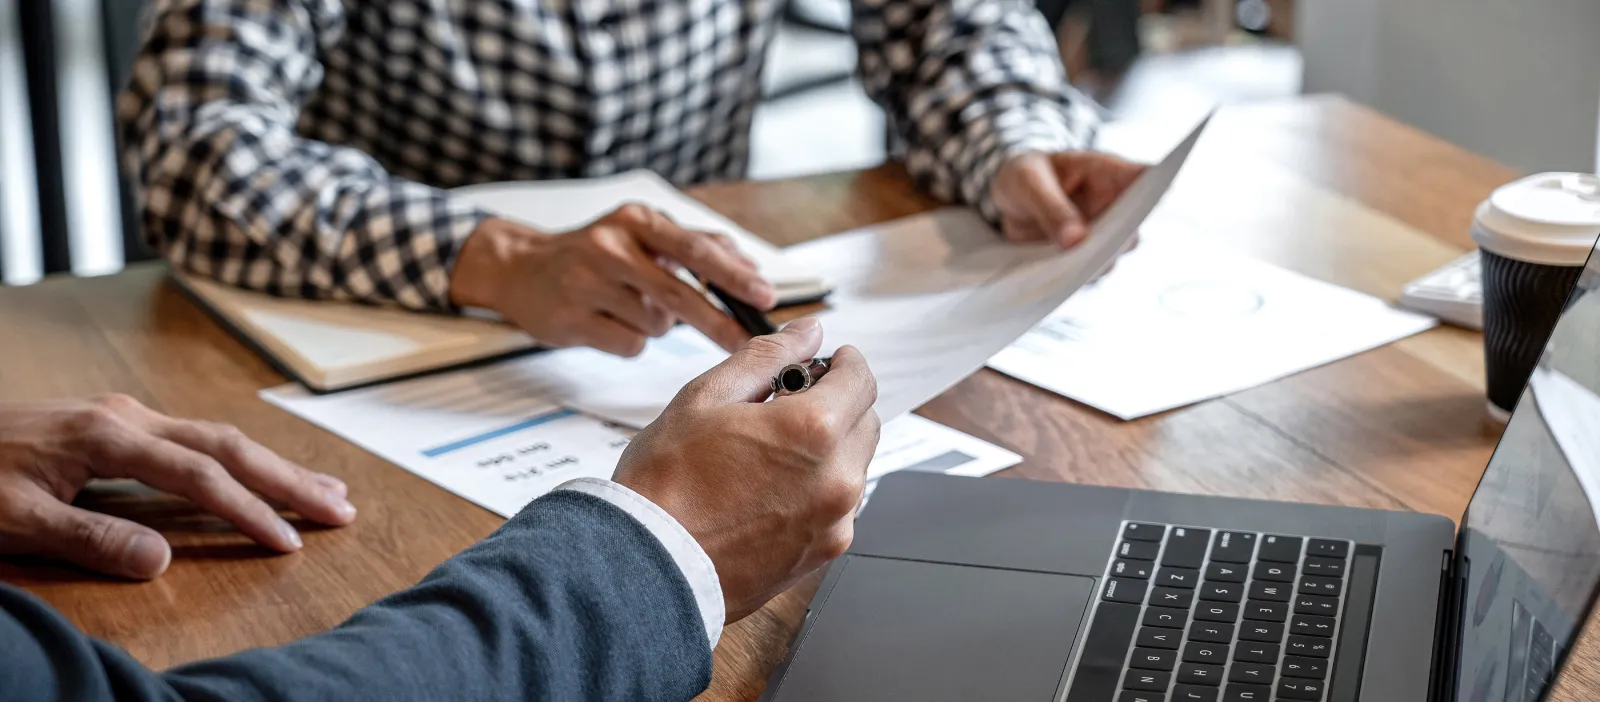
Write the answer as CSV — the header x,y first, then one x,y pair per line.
x,y
227,189
967,84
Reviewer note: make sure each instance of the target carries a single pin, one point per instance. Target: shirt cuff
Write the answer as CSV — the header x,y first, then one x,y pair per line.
x,y
691,560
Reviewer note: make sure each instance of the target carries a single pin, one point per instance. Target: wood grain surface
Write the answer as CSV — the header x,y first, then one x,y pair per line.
x,y
1317,185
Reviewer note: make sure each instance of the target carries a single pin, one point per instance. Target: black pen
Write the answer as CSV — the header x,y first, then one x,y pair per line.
x,y
751,319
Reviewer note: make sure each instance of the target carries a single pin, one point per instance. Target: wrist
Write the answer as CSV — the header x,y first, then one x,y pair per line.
x,y
486,261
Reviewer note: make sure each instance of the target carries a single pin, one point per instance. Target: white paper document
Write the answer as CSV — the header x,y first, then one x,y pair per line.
x,y
927,299
487,436
1173,324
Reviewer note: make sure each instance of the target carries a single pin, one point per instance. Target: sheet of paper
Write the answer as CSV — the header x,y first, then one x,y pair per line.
x,y
927,299
564,205
487,436
1173,324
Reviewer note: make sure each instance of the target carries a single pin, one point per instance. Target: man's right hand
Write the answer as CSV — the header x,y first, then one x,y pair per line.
x,y
609,285
768,489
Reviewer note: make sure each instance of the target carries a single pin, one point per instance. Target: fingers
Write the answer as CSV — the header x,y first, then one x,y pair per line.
x,y
625,263
633,309
318,497
849,389
168,466
746,376
1048,212
605,333
707,255
95,541
1099,179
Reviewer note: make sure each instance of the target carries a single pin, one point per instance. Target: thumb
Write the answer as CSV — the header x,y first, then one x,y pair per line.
x,y
1047,212
746,376
97,541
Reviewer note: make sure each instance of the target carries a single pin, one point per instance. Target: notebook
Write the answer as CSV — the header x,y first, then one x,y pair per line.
x,y
329,346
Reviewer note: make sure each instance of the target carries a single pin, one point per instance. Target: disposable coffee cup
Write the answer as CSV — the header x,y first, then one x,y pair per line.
x,y
1535,235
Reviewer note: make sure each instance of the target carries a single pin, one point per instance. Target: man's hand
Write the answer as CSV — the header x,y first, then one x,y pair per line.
x,y
1053,197
609,285
768,489
48,451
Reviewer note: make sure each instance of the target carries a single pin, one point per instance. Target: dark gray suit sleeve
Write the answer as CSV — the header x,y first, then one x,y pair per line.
x,y
570,600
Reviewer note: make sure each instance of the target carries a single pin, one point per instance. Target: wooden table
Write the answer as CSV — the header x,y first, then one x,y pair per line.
x,y
1316,185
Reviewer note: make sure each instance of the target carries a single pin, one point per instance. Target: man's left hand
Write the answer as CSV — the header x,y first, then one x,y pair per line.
x,y
1054,197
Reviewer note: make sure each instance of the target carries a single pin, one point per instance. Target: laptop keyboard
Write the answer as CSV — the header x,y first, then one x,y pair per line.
x,y
1189,614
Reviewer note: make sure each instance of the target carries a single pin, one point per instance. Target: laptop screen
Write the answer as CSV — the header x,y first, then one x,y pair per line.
x,y
1529,537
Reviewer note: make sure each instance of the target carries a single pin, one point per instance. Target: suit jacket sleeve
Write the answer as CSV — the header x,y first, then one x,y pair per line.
x,y
570,600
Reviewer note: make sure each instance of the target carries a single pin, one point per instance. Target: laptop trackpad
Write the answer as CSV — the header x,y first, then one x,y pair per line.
x,y
909,630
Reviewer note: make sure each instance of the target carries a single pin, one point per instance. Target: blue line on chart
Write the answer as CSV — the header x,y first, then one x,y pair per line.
x,y
497,433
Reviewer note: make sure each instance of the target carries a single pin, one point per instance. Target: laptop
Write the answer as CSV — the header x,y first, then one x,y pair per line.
x,y
980,589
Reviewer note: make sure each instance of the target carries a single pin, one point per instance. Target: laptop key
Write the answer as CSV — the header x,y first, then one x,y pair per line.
x,y
1199,674
1302,667
1271,592
1153,659
1178,577
1280,549
1201,652
1186,547
1156,637
1328,547
1136,531
1331,567
1217,612
1141,550
1166,617
1244,692
1131,568
1309,646
1171,596
1194,693
1296,689
1266,611
1275,572
1312,625
1233,547
1226,572
1316,604
1253,673
1320,585
1211,632
1271,632
1140,696
1147,680
1222,592
1256,652
1125,590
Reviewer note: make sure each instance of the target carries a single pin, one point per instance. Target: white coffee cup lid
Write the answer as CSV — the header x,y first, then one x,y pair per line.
x,y
1550,219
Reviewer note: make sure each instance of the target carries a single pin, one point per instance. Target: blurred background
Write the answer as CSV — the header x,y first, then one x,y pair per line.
x,y
1517,82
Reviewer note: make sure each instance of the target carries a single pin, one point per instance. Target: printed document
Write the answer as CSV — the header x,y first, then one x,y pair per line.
x,y
1175,324
488,436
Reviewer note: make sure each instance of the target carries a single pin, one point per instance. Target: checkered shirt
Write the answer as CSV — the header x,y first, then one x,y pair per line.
x,y
304,147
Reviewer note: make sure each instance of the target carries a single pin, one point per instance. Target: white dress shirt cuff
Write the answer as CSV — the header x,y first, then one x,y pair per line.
x,y
692,560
